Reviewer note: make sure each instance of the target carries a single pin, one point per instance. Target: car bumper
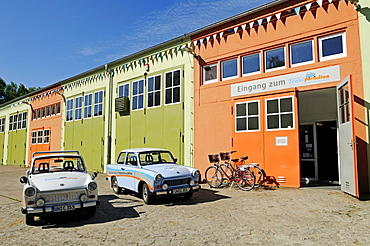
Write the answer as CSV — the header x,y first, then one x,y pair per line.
x,y
175,191
50,209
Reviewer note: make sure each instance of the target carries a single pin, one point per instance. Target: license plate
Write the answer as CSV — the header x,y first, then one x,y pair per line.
x,y
63,208
182,190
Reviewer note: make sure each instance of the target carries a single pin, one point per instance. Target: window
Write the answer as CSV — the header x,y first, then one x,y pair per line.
x,y
19,124
210,73
124,90
279,113
88,106
251,64
344,110
332,46
38,114
24,120
172,87
39,136
34,137
11,123
247,116
69,110
78,108
34,116
47,111
2,124
15,122
138,95
57,108
275,59
154,91
42,112
301,53
229,69
52,109
98,103
46,136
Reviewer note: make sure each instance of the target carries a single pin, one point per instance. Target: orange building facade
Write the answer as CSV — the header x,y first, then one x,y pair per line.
x,y
283,84
45,121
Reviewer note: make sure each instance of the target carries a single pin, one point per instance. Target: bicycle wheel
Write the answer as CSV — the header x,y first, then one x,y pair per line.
x,y
213,177
259,175
227,174
245,179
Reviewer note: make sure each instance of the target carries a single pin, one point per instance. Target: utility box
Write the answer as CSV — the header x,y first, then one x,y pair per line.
x,y
122,105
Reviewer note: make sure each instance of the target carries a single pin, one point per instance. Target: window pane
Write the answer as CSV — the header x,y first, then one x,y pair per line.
x,y
158,82
176,77
332,46
286,105
176,94
272,121
275,58
157,99
251,63
168,96
151,84
287,121
253,108
253,123
241,109
168,79
301,52
230,68
272,106
241,124
210,72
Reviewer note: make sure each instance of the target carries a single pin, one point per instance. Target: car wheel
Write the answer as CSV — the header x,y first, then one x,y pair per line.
x,y
30,219
115,187
90,212
147,197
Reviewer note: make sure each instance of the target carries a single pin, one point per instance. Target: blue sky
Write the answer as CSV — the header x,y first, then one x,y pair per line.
x,y
46,41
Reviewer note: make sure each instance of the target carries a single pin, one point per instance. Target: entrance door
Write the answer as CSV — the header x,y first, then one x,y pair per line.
x,y
347,144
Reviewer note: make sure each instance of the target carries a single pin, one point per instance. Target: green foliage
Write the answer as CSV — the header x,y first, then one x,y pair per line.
x,y
11,91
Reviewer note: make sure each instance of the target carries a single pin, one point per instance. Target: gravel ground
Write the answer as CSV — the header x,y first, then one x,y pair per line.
x,y
211,217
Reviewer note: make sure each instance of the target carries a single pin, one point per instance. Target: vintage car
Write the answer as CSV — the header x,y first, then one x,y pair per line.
x,y
58,181
152,173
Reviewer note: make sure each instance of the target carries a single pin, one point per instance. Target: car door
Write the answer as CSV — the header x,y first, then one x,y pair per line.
x,y
129,170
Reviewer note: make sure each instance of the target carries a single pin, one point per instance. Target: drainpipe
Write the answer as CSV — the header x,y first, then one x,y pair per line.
x,y
109,98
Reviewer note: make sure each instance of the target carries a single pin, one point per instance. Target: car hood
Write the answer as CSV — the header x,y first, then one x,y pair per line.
x,y
169,170
59,180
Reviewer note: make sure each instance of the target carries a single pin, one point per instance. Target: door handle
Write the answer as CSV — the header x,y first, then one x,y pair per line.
x,y
122,168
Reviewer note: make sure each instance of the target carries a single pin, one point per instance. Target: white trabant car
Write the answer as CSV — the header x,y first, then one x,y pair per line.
x,y
152,173
58,181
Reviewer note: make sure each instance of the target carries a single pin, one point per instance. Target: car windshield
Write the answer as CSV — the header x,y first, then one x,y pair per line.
x,y
155,157
58,164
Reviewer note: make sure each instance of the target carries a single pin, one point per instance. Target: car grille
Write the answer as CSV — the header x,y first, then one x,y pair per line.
x,y
177,182
52,197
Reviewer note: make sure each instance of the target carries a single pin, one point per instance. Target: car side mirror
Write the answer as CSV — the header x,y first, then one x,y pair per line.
x,y
175,160
23,180
94,175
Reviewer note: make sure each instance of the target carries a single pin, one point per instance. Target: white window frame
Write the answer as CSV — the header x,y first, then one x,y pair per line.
x,y
247,116
172,87
237,69
260,63
46,136
204,74
15,122
78,108
24,120
336,56
69,110
279,114
34,137
138,95
88,106
57,108
19,123
2,124
301,63
11,118
275,68
154,90
98,100
40,136
123,87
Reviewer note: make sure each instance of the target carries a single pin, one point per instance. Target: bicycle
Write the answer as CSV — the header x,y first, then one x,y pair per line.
x,y
258,172
222,174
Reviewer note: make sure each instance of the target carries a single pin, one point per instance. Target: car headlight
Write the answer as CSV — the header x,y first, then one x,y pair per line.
x,y
40,202
30,191
83,198
164,186
196,174
158,178
92,186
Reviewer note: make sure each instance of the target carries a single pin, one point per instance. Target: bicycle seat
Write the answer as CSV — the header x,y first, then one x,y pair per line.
x,y
235,160
244,157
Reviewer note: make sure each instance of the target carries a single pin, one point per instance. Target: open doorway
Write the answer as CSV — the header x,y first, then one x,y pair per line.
x,y
318,136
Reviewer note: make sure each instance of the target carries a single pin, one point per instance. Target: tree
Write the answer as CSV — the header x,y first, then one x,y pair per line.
x,y
11,91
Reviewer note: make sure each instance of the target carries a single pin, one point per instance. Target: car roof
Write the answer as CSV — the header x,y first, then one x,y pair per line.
x,y
138,150
56,155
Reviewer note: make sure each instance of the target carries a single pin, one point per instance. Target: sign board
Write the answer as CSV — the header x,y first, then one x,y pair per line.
x,y
311,77
281,141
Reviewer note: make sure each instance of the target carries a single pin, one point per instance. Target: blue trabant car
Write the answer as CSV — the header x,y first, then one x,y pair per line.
x,y
152,173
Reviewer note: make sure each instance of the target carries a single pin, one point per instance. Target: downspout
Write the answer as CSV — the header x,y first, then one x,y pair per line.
x,y
109,97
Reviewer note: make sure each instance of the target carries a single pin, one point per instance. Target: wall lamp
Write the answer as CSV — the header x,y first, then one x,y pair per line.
x,y
189,50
